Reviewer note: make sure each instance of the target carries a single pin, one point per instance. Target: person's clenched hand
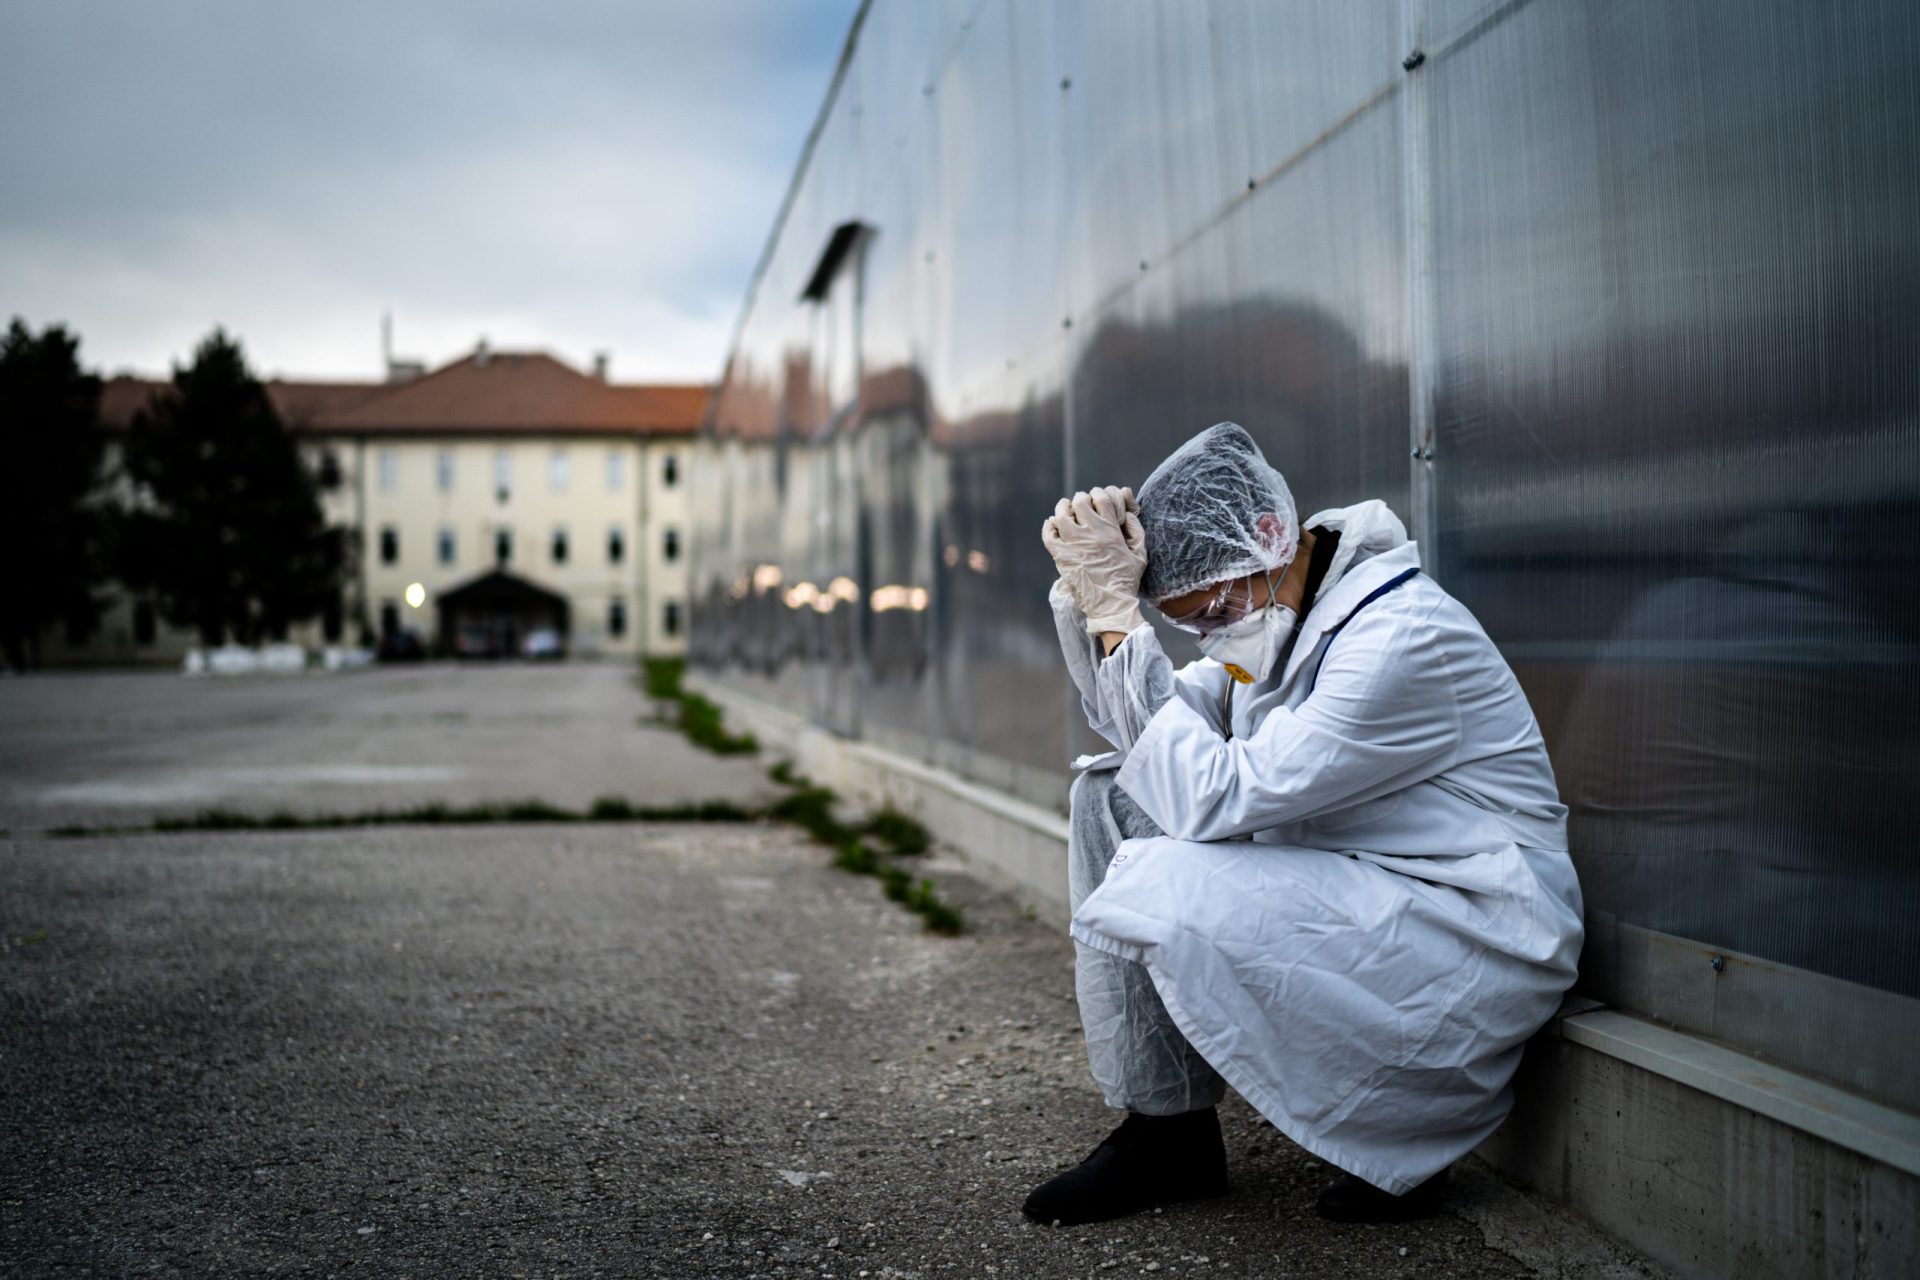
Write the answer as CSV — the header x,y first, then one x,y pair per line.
x,y
1098,546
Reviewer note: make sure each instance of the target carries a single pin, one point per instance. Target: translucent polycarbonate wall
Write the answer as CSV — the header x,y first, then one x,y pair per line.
x,y
1614,304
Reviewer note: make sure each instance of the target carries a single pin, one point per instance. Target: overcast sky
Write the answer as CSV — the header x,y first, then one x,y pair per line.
x,y
574,175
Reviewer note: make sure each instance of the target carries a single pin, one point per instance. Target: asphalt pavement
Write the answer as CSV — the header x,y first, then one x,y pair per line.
x,y
109,748
588,1050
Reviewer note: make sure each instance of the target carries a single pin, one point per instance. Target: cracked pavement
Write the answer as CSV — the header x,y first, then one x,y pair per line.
x,y
598,1050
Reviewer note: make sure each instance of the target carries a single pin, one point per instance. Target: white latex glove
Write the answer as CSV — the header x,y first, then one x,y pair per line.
x,y
1100,549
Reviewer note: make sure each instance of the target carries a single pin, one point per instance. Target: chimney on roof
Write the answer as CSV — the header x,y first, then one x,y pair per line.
x,y
481,354
397,370
600,359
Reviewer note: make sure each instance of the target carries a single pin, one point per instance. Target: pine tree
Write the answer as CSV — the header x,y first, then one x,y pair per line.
x,y
49,519
226,529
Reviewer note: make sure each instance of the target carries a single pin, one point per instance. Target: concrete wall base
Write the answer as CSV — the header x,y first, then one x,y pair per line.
x,y
1700,1184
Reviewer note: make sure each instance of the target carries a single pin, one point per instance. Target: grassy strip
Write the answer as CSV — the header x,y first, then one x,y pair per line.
x,y
899,832
808,806
697,717
811,807
605,809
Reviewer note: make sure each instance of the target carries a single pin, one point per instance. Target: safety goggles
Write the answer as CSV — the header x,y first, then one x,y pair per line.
x,y
1222,609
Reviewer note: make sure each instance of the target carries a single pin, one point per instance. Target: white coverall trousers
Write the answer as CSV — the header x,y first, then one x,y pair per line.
x,y
1139,1058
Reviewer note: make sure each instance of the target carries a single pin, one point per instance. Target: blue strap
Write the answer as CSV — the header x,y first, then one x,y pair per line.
x,y
1340,626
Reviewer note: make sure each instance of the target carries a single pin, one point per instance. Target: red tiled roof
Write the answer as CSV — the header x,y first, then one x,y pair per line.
x,y
122,397
515,391
304,404
508,393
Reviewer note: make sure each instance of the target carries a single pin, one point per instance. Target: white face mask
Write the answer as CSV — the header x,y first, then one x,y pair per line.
x,y
1249,648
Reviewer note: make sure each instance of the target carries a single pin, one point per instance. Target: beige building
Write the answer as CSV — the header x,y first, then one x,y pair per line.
x,y
500,503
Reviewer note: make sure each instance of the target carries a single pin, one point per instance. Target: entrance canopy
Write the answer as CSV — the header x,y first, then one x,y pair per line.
x,y
491,616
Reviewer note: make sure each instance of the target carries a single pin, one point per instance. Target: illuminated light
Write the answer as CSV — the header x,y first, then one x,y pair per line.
x,y
416,595
767,577
844,589
823,603
801,594
951,555
895,596
978,561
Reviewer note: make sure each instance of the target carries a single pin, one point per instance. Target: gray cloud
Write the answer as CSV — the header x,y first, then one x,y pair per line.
x,y
577,175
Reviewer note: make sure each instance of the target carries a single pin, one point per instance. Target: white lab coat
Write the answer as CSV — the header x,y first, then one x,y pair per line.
x,y
1363,905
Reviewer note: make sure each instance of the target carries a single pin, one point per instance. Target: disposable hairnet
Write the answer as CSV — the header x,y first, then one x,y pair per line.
x,y
1215,510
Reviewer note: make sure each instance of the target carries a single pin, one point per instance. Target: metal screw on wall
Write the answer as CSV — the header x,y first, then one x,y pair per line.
x,y
1413,59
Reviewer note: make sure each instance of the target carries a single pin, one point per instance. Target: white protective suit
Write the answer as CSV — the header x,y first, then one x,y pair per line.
x,y
1364,905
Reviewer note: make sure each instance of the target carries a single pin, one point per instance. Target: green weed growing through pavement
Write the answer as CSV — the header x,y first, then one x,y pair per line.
x,y
895,829
697,717
811,807
605,809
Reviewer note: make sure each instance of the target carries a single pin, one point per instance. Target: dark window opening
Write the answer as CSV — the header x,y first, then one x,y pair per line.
x,y
502,546
616,546
670,544
559,546
389,545
670,470
617,618
838,246
670,618
329,471
446,546
389,618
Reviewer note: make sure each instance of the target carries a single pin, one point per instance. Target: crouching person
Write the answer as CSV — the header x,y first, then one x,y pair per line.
x,y
1326,864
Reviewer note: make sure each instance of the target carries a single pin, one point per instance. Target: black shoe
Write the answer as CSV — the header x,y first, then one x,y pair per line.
x,y
1148,1160
1352,1200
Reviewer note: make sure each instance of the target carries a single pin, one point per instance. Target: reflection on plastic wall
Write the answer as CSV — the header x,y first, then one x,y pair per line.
x,y
1665,263
1679,460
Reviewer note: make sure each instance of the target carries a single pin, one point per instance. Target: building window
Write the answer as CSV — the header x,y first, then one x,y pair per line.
x,y
144,626
503,546
560,545
502,473
328,475
443,470
389,545
389,467
616,617
670,544
616,470
557,471
670,618
670,470
616,545
446,546
389,618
